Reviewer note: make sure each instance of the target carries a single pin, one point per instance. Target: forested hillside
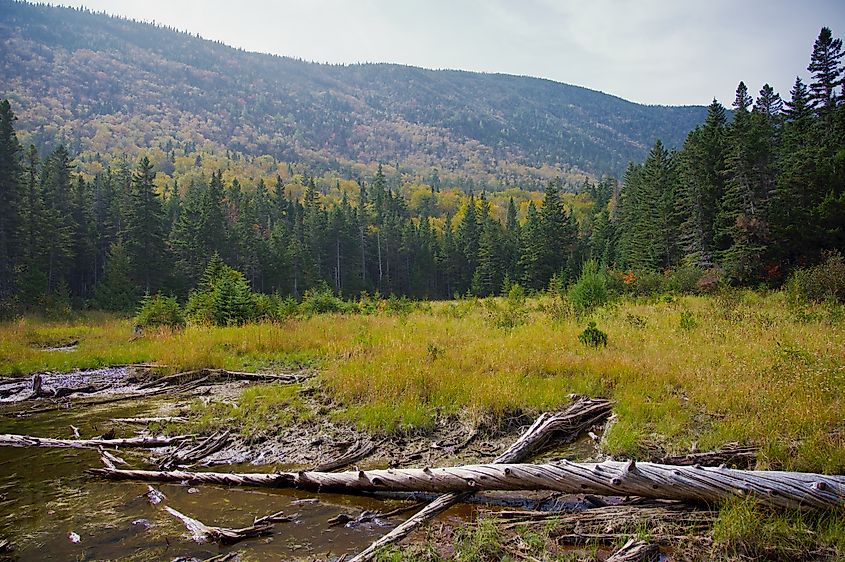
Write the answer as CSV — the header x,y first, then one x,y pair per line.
x,y
106,86
745,201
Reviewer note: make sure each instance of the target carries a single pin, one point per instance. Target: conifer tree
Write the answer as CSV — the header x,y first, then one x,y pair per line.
x,y
531,257
144,235
742,225
58,218
826,69
117,291
10,203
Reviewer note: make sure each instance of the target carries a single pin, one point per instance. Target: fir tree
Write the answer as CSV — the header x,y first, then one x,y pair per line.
x,y
144,236
10,202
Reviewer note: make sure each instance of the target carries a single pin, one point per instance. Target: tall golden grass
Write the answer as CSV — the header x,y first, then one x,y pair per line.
x,y
683,371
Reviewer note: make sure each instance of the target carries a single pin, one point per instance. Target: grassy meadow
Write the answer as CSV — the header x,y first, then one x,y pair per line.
x,y
684,371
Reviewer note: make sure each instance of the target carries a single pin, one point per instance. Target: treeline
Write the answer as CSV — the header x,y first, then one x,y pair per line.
x,y
108,241
745,200
754,197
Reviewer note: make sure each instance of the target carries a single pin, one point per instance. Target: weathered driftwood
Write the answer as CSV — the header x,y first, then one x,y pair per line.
x,y
658,516
12,440
39,391
200,532
192,454
357,451
567,424
636,551
218,375
611,478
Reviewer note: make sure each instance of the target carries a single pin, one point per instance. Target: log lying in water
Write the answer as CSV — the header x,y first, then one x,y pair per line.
x,y
566,425
12,440
611,478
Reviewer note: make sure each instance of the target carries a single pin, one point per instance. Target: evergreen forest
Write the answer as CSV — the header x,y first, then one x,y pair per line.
x,y
754,192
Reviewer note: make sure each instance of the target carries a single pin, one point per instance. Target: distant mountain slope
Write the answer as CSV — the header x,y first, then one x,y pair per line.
x,y
105,84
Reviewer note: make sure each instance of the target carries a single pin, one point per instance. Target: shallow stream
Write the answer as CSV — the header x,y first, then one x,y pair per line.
x,y
45,496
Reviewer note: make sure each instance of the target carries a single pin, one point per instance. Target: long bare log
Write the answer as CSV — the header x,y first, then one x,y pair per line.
x,y
567,424
13,440
610,478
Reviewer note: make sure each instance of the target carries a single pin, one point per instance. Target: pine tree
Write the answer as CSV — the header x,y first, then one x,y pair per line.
x,y
117,291
488,276
826,69
58,218
742,224
10,202
558,236
185,243
531,256
467,239
144,232
33,277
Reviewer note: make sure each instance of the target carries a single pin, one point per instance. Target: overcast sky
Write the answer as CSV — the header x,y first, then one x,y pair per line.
x,y
668,52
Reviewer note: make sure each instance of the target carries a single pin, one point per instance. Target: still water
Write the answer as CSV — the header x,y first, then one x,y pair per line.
x,y
46,499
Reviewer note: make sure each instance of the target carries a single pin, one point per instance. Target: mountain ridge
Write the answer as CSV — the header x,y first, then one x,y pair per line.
x,y
74,74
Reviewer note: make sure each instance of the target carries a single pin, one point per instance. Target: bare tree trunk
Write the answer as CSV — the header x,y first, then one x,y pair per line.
x,y
568,424
610,478
12,440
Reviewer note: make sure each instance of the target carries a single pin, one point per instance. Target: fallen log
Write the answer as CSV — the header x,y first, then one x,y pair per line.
x,y
610,478
200,532
567,424
13,440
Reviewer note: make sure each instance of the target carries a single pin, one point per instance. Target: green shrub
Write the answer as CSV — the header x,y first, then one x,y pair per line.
x,y
223,298
158,310
286,308
823,282
647,283
688,321
321,300
590,291
683,280
592,336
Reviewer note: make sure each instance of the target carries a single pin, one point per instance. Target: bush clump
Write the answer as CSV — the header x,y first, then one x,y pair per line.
x,y
223,297
592,336
321,300
822,282
590,291
159,310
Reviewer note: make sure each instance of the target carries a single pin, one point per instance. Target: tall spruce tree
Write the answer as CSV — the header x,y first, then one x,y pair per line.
x,y
826,68
144,233
10,203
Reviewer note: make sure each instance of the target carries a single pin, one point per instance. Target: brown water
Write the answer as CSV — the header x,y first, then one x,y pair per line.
x,y
45,495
